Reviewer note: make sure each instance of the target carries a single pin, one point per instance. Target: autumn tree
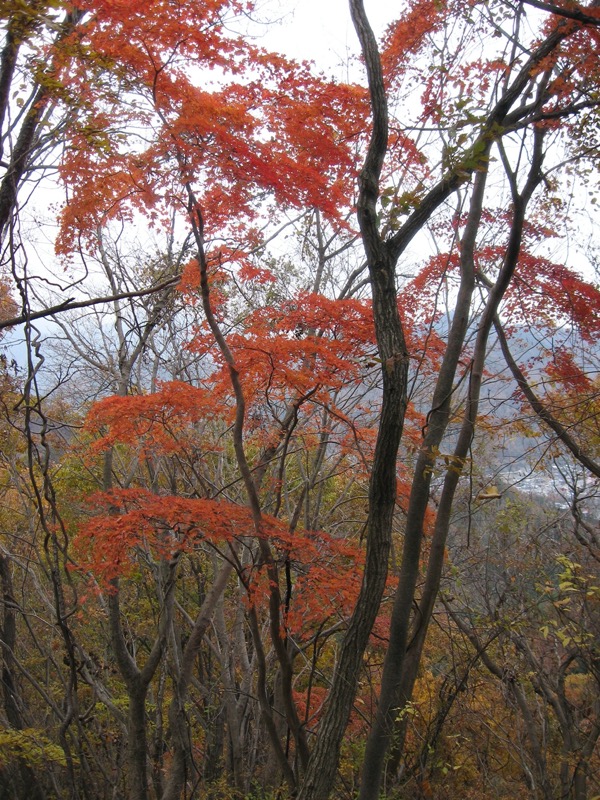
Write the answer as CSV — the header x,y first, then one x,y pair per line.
x,y
248,440
535,75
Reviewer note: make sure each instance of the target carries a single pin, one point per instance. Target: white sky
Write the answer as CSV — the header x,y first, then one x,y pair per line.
x,y
319,30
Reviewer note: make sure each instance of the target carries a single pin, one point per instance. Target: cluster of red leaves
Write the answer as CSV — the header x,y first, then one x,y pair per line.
x,y
407,35
128,520
542,294
226,266
323,579
546,293
310,703
420,298
326,576
244,124
575,61
565,371
153,423
421,304
310,344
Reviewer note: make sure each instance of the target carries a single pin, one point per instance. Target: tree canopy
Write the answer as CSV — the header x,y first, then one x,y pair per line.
x,y
300,466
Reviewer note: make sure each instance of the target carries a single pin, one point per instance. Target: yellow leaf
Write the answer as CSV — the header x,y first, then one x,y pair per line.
x,y
489,493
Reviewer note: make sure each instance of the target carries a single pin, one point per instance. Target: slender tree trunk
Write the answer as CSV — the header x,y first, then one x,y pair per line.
x,y
391,344
24,149
12,700
387,721
398,673
382,257
177,716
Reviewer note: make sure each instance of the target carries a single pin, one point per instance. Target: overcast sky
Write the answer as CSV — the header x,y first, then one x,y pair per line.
x,y
319,30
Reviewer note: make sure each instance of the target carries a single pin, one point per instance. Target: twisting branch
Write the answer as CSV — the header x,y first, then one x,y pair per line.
x,y
568,13
391,344
70,304
542,411
275,602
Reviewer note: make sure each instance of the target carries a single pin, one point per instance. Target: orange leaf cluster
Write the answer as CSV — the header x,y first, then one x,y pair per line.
x,y
564,369
243,124
163,526
327,573
544,292
155,423
305,345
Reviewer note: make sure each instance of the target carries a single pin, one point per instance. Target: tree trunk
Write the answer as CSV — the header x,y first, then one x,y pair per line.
x,y
12,701
177,716
398,675
391,345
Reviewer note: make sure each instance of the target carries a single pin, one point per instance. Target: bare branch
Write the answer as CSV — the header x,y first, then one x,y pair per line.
x,y
70,304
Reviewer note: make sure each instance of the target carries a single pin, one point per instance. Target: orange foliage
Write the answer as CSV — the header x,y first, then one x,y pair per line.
x,y
243,124
546,292
408,33
156,422
327,581
310,344
326,571
564,369
163,525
